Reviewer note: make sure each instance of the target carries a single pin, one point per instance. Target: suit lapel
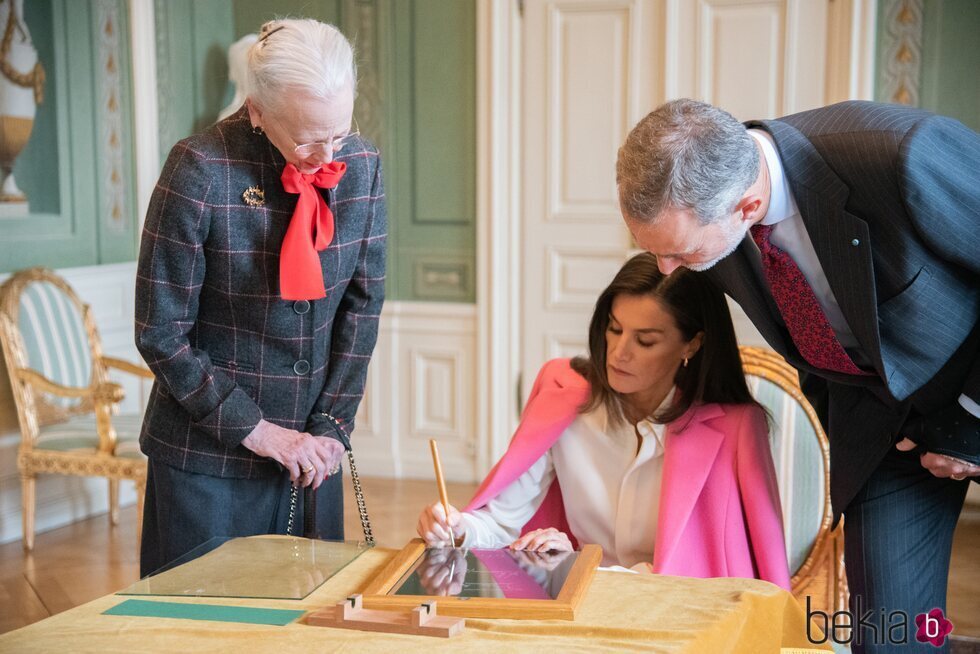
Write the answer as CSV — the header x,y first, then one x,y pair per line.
x,y
821,196
691,448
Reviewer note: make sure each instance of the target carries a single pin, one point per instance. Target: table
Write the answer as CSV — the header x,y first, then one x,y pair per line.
x,y
621,612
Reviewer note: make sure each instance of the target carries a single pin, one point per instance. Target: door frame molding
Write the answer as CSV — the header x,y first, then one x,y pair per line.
x,y
498,293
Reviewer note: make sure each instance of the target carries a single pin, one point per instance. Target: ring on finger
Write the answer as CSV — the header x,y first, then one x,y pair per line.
x,y
307,469
958,477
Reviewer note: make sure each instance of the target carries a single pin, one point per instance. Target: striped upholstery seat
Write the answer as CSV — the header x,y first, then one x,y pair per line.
x,y
79,434
55,340
801,454
65,400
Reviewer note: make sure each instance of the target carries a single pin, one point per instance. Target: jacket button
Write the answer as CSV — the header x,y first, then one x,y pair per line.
x,y
301,306
855,242
301,367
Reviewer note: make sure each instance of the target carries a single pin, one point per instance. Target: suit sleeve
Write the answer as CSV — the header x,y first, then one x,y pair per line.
x,y
939,159
169,276
760,498
355,329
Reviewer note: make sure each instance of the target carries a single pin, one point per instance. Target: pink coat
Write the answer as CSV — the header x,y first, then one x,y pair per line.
x,y
719,504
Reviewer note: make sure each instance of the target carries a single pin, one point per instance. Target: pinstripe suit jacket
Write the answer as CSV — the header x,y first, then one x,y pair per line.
x,y
890,197
225,348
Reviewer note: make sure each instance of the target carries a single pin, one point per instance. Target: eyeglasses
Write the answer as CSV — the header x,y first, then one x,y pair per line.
x,y
335,144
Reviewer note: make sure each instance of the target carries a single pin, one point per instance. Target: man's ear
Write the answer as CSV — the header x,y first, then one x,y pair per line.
x,y
748,207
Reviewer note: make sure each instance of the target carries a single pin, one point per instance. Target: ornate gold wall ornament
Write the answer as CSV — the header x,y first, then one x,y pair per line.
x,y
902,39
254,196
21,90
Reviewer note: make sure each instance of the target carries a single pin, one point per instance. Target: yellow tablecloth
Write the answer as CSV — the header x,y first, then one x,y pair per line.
x,y
621,612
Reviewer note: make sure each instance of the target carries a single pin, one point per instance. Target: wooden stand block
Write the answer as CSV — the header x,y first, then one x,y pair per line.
x,y
422,621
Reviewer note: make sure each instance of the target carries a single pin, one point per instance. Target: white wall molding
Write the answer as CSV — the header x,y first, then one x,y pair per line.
x,y
851,36
498,293
146,135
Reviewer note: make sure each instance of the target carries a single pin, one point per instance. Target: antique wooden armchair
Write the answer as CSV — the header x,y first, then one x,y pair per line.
x,y
67,407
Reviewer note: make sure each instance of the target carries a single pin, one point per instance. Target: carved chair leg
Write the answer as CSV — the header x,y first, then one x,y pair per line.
x,y
27,484
114,502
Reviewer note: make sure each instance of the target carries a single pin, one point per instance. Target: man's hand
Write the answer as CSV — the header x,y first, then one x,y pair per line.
x,y
941,465
952,430
308,459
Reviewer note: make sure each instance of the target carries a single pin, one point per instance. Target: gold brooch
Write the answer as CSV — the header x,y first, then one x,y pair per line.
x,y
254,196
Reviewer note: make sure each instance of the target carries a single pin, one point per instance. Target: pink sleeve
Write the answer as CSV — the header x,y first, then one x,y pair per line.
x,y
760,498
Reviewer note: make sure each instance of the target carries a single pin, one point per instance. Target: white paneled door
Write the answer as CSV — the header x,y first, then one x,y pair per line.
x,y
591,70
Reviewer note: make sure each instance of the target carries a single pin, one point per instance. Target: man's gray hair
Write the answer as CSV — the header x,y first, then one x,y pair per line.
x,y
685,155
301,55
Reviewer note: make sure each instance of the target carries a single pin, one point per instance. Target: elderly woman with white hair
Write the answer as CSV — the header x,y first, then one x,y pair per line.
x,y
259,287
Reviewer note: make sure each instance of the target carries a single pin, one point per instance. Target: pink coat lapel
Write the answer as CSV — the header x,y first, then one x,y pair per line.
x,y
690,451
553,405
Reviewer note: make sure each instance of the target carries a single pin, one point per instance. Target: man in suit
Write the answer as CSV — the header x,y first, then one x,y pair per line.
x,y
850,235
260,284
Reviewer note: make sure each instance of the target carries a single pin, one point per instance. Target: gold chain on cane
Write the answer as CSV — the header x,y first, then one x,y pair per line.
x,y
293,494
359,498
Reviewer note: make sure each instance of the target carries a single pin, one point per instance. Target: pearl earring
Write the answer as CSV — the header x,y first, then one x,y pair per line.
x,y
685,362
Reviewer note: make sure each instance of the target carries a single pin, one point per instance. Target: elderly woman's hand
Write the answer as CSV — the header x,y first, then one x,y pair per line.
x,y
433,525
543,540
308,459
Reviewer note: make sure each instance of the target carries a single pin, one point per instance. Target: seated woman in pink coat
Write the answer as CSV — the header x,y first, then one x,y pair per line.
x,y
652,447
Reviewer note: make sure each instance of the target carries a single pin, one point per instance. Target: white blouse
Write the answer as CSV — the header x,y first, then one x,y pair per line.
x,y
611,491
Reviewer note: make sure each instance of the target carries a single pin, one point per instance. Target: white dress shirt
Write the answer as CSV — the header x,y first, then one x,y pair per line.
x,y
611,490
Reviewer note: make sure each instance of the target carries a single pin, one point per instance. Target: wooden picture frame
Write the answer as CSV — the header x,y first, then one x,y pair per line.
x,y
563,607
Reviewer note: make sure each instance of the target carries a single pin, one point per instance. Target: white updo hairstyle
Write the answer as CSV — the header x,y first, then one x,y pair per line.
x,y
301,55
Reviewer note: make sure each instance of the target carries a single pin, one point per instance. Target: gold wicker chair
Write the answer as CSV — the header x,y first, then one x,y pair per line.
x,y
802,457
66,404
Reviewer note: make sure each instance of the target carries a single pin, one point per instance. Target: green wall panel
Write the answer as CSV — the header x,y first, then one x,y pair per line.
x,y
941,58
432,162
250,14
77,169
950,59
192,65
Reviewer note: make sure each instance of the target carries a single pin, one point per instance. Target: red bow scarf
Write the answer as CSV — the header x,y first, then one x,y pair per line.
x,y
310,231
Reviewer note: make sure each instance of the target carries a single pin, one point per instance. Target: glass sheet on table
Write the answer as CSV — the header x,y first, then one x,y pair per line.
x,y
266,567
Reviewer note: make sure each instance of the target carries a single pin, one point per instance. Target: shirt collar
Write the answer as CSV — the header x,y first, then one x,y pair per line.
x,y
782,205
647,427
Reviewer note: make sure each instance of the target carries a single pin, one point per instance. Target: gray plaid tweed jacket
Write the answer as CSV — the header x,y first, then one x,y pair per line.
x,y
225,348
891,201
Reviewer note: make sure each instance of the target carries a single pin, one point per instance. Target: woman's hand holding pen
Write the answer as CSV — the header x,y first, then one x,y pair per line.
x,y
433,525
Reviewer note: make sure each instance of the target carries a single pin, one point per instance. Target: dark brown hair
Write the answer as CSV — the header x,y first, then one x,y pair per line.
x,y
713,375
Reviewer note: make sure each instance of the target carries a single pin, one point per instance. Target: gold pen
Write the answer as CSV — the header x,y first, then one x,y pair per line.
x,y
443,496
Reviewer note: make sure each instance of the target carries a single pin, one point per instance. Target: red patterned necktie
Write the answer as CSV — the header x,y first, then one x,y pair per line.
x,y
804,318
310,231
